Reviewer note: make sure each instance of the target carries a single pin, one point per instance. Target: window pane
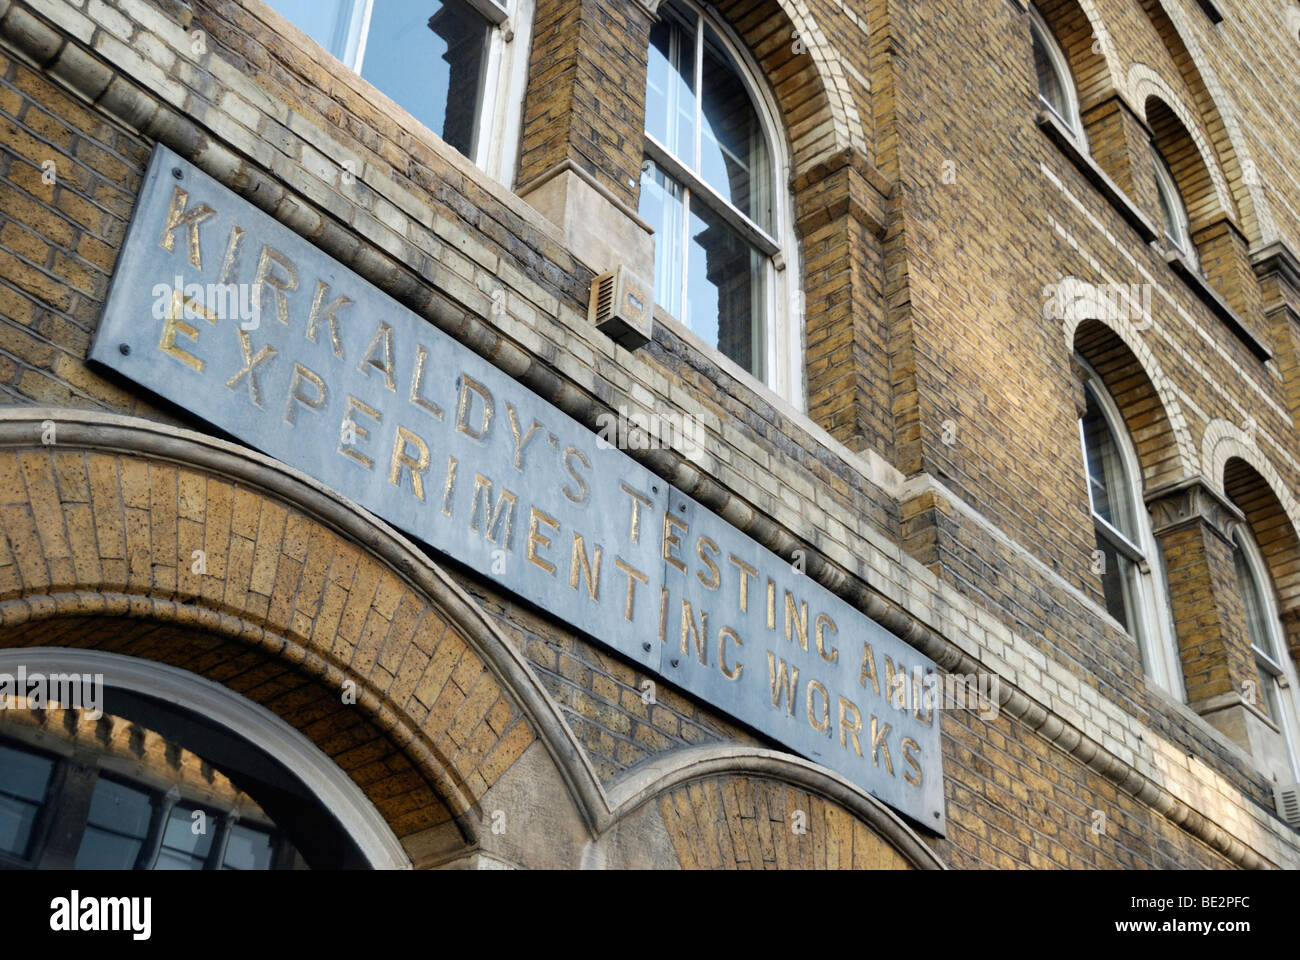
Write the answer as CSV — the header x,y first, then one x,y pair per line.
x,y
182,848
670,84
1171,203
1119,584
326,21
1051,85
724,296
1109,482
429,58
24,778
248,849
1256,610
116,829
733,153
662,207
1266,700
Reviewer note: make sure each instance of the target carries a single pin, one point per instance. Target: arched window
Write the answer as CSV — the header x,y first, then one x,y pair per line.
x,y
712,187
142,765
1275,674
1173,211
455,65
1055,85
1127,559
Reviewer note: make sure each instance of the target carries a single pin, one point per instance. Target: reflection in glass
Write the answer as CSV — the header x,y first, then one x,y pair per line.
x,y
116,828
428,56
1109,484
724,301
24,779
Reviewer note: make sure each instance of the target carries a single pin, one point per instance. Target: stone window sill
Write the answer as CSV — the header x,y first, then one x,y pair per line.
x,y
1201,287
1059,134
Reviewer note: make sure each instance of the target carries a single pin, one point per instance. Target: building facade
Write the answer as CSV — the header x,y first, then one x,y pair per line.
x,y
650,433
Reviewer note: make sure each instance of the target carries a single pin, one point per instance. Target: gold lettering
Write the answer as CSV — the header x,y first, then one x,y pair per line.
x,y
383,338
896,684
320,310
417,378
746,571
346,448
702,544
824,621
265,276
250,366
638,501
700,638
878,744
583,490
771,606
578,562
536,539
785,685
496,520
868,669
469,385
300,375
230,263
401,459
173,324
800,622
178,216
824,724
632,576
914,776
850,729
521,443
671,542
663,614
725,634
449,488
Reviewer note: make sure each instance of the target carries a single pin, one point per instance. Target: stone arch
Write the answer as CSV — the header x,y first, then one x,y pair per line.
x,y
1267,518
1230,146
816,104
716,794
1178,136
1083,36
297,592
1229,458
1146,397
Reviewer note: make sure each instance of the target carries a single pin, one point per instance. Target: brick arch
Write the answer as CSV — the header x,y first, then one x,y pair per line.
x,y
1230,146
804,71
1146,398
728,806
299,592
1180,141
1278,539
1229,458
1082,34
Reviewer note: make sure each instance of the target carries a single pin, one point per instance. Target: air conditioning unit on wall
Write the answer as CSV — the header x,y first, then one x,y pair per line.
x,y
622,307
1287,798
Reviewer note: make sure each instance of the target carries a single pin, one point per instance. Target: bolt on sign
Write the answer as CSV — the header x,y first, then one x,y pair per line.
x,y
220,309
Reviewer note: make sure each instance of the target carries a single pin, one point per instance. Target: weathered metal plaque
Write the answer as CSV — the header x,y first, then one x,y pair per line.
x,y
222,310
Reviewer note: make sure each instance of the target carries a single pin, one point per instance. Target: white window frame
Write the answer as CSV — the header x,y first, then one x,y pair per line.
x,y
1282,669
1173,197
505,75
251,721
1158,644
1073,122
783,333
